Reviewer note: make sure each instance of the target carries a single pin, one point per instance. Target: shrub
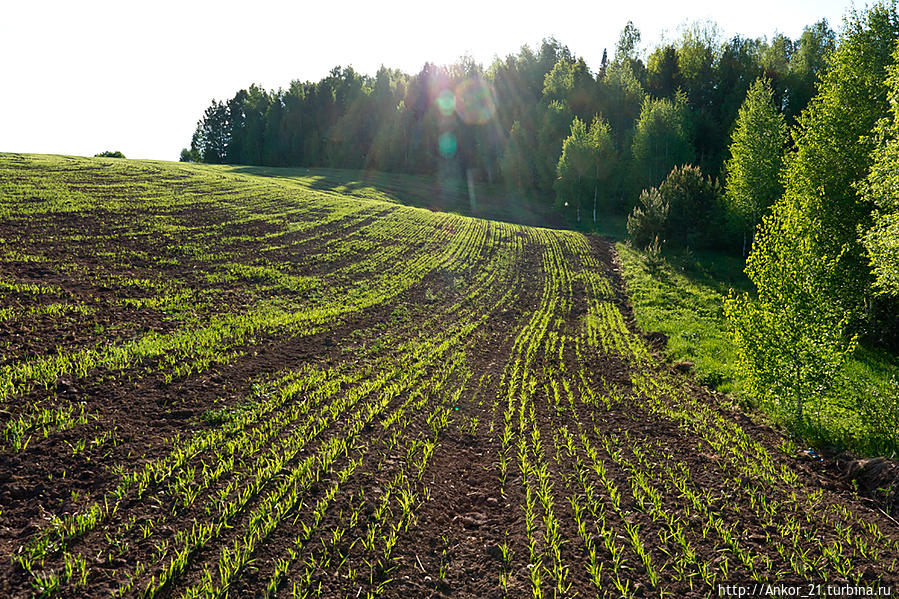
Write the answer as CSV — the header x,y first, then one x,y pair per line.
x,y
648,222
694,217
109,154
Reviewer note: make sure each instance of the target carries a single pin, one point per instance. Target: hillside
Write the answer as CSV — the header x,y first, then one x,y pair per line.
x,y
215,380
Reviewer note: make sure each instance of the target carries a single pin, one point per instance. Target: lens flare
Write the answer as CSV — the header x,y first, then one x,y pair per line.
x,y
446,102
447,144
475,101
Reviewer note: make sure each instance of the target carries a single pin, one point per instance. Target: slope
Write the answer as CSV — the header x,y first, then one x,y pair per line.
x,y
219,383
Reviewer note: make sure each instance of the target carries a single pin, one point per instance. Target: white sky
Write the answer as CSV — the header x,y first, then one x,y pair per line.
x,y
80,77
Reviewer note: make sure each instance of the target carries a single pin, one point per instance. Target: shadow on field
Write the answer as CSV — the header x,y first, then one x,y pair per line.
x,y
444,192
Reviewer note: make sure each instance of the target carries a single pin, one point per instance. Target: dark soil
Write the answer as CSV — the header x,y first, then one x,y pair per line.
x,y
453,548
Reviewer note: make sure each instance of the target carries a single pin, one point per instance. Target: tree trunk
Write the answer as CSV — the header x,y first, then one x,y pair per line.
x,y
594,202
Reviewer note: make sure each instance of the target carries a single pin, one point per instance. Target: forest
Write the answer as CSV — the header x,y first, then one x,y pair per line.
x,y
782,151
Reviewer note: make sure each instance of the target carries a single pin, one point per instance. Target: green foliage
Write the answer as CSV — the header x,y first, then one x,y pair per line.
x,y
627,47
661,139
684,299
683,211
790,341
882,243
584,168
663,72
807,63
396,122
515,164
881,188
648,222
621,96
756,157
556,122
693,200
698,54
189,155
574,163
559,82
833,145
109,154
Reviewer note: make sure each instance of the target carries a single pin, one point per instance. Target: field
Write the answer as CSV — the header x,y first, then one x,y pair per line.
x,y
219,383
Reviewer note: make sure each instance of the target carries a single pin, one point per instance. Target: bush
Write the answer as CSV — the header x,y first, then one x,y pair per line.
x,y
109,154
189,155
684,211
694,217
649,222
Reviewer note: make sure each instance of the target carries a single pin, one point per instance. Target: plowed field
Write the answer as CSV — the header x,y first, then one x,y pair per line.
x,y
213,384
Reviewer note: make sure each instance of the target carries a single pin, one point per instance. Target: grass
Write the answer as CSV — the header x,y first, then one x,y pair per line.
x,y
682,296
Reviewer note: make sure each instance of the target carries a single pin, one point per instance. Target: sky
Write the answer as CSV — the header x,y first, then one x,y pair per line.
x,y
83,77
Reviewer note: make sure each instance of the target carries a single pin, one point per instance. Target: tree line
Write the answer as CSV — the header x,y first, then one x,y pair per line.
x,y
509,122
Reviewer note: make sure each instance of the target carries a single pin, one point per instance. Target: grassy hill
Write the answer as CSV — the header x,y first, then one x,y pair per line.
x,y
219,380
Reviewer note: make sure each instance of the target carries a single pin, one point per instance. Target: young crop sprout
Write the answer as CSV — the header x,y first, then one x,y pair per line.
x,y
328,370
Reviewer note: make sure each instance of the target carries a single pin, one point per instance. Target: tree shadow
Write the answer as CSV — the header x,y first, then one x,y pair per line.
x,y
443,193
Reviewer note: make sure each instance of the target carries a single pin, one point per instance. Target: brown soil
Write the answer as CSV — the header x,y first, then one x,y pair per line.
x,y
453,549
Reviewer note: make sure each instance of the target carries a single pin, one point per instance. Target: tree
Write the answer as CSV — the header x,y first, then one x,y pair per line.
x,y
697,58
213,134
809,269
605,161
738,68
189,155
628,44
790,342
649,221
693,201
661,139
516,163
663,76
776,56
621,97
833,146
573,165
587,160
628,53
756,157
557,118
881,189
109,154
809,62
